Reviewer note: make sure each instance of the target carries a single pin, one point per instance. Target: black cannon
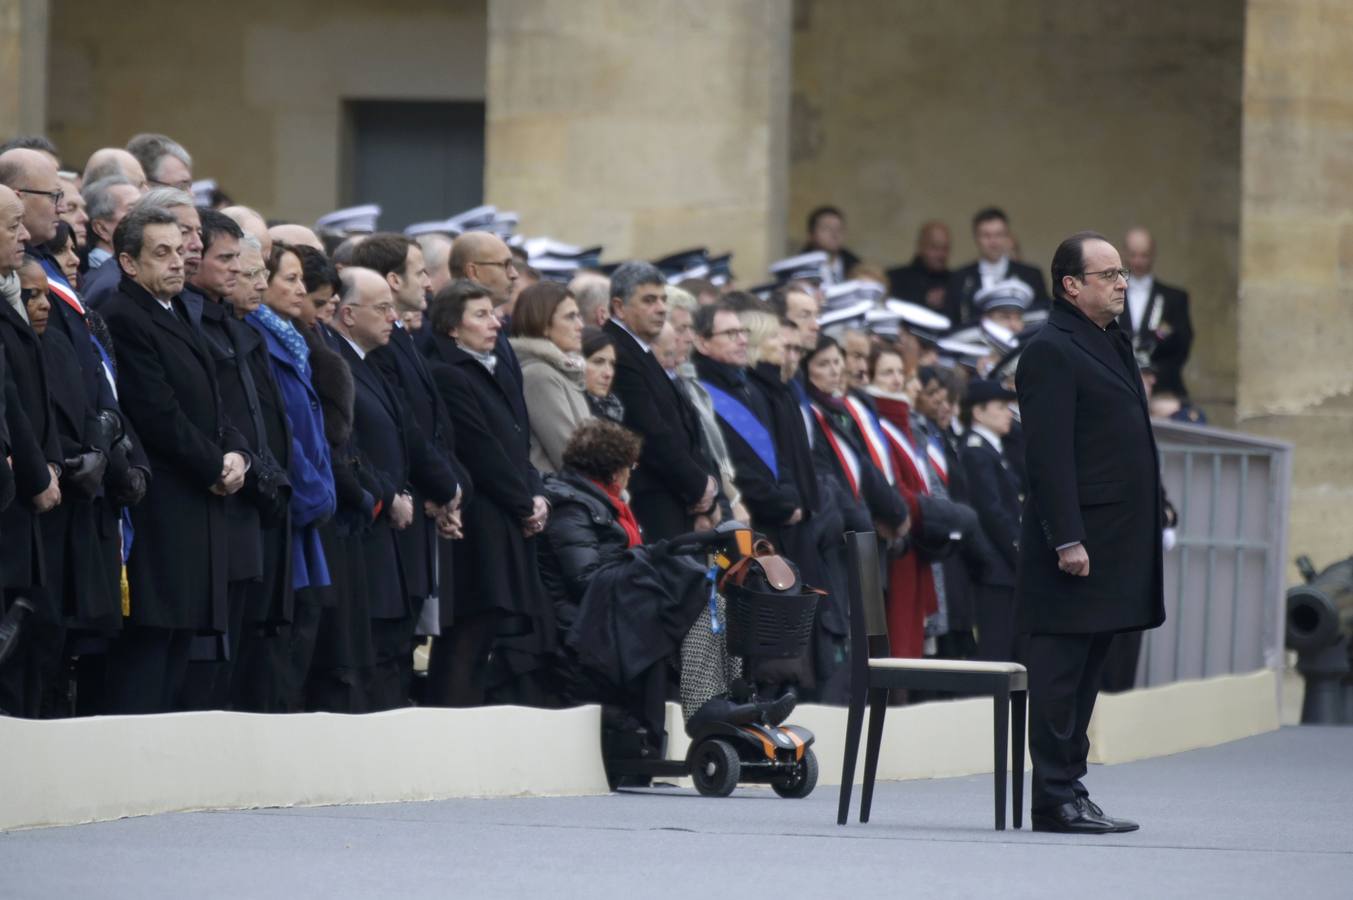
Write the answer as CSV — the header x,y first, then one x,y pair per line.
x,y
1319,623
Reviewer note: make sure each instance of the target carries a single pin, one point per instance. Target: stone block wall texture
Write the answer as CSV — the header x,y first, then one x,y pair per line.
x,y
23,66
1069,114
265,78
1295,363
646,127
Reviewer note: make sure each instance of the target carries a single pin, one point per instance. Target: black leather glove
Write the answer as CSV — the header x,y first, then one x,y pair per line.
x,y
130,488
107,430
83,474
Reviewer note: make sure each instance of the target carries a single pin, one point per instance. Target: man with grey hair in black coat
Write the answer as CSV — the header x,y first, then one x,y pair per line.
x,y
675,488
1090,562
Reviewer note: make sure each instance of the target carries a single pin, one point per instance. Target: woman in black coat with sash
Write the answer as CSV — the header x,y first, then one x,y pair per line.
x,y
497,584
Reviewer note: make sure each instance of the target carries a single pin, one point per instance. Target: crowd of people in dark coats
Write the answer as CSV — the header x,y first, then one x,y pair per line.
x,y
250,465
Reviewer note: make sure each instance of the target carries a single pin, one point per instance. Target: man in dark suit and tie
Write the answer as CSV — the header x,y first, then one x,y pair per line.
x,y
991,232
1156,315
674,488
1090,548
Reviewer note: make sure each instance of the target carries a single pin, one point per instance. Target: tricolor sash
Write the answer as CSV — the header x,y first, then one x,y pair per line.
x,y
874,441
935,453
748,427
845,454
898,438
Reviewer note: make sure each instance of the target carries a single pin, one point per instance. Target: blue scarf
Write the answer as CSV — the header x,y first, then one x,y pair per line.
x,y
287,335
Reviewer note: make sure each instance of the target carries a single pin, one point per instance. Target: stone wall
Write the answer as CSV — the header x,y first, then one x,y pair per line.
x,y
1295,378
254,89
1069,114
646,127
23,66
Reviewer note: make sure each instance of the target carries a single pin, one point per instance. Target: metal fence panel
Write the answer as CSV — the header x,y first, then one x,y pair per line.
x,y
1224,584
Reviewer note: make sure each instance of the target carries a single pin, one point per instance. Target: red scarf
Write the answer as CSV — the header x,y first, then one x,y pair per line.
x,y
623,514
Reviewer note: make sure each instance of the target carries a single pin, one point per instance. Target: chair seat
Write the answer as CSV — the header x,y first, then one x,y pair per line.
x,y
976,667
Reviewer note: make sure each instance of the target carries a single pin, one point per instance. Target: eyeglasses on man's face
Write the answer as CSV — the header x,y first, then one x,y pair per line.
x,y
54,196
508,265
733,333
186,186
1107,275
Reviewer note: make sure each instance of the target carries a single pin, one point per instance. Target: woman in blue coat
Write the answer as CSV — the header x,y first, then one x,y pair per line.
x,y
310,470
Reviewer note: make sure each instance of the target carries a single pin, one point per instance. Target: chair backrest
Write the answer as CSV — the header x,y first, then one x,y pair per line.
x,y
868,624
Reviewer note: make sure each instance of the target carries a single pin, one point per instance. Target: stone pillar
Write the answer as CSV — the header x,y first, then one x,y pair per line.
x,y
23,67
646,127
1295,362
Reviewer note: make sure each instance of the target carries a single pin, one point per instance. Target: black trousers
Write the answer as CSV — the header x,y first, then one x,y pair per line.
x,y
1120,671
994,612
1064,676
146,668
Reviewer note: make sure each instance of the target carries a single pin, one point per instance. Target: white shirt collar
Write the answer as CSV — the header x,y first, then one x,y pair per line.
x,y
1139,298
992,272
989,435
641,342
361,354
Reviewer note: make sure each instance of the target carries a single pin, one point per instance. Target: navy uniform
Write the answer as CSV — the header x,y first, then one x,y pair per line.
x,y
994,492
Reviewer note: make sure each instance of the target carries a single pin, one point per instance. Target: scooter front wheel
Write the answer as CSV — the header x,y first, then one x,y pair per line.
x,y
802,782
716,768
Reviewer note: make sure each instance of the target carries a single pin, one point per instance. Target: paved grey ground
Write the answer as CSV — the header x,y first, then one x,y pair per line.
x,y
1268,816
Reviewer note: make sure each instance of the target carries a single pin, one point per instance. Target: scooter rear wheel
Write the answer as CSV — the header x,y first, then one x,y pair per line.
x,y
716,768
802,782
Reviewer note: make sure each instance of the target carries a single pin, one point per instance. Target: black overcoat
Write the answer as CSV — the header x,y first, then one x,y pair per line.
x,y
34,444
167,388
1167,342
673,470
378,438
84,566
994,493
431,439
495,564
770,496
1093,478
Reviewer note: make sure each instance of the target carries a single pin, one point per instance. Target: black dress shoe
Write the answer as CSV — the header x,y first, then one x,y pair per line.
x,y
1120,825
1071,818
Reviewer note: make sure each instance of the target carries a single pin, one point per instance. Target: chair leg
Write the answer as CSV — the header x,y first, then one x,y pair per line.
x,y
854,725
1018,701
878,708
1001,728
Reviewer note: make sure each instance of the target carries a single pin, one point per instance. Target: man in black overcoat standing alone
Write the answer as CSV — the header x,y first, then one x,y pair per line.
x,y
1090,551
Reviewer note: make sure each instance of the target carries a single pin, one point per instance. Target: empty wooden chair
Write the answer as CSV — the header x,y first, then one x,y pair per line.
x,y
874,674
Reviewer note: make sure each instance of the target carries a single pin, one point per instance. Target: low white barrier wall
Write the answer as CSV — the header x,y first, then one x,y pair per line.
x,y
82,770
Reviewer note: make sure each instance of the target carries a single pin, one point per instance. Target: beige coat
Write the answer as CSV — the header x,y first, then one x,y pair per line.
x,y
555,399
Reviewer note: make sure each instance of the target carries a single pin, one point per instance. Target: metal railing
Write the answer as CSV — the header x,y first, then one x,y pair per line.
x,y
1225,579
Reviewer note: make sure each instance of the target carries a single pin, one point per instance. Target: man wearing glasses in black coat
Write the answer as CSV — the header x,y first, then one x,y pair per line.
x,y
1090,549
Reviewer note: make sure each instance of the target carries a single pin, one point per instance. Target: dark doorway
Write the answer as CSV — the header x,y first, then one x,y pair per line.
x,y
419,160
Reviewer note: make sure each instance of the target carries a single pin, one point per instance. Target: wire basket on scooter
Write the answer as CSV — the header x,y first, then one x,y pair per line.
x,y
768,625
